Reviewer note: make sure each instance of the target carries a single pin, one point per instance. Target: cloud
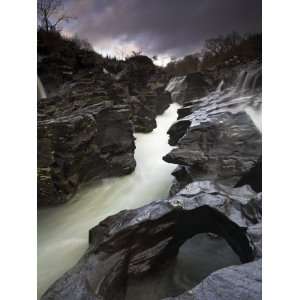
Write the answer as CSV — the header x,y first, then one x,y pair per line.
x,y
163,27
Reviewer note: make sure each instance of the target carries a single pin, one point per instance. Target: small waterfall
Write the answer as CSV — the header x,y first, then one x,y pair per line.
x,y
220,86
41,93
176,87
255,116
243,95
248,80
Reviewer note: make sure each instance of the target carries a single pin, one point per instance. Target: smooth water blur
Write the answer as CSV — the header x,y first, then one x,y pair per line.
x,y
41,93
63,230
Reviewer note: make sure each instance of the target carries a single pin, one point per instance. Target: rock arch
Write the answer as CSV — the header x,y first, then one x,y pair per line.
x,y
134,242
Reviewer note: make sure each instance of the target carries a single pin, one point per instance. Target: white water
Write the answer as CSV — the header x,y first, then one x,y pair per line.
x,y
40,89
175,87
255,115
243,95
63,230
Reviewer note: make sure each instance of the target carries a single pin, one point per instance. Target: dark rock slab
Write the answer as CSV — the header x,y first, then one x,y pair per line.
x,y
94,142
191,86
93,106
135,242
223,147
217,137
242,282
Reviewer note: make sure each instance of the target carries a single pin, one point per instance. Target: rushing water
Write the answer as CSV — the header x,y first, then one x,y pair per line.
x,y
63,230
41,93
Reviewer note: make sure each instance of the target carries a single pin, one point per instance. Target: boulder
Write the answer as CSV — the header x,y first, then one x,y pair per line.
x,y
190,87
231,283
136,242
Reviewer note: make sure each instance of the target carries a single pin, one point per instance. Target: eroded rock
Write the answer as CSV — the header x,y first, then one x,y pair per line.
x,y
216,136
135,242
232,283
94,142
92,108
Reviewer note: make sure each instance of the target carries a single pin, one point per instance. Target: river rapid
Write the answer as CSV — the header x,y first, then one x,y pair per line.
x,y
63,230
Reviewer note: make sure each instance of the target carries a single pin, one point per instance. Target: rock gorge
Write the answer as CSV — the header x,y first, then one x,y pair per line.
x,y
93,107
216,190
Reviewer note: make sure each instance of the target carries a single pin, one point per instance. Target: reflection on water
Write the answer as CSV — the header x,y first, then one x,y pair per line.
x,y
63,230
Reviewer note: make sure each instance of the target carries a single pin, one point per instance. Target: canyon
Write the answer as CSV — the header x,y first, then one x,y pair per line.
x,y
135,233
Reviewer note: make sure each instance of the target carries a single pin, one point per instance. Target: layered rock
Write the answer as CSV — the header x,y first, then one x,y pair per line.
x,y
218,137
93,106
191,86
96,141
135,81
136,242
145,91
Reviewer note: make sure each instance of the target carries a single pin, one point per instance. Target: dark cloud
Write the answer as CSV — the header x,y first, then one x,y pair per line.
x,y
164,27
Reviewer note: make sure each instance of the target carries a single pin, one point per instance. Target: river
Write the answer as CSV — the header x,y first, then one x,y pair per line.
x,y
62,234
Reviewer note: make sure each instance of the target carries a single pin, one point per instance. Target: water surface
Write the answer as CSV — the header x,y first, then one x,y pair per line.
x,y
63,230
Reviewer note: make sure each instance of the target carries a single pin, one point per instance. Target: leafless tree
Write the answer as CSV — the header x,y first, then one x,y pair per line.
x,y
51,13
136,53
223,44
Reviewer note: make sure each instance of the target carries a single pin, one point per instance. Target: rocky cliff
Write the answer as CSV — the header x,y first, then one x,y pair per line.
x,y
218,137
87,121
217,190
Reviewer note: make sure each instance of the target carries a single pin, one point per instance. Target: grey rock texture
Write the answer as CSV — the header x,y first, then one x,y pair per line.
x,y
218,137
87,121
134,242
233,283
191,86
93,142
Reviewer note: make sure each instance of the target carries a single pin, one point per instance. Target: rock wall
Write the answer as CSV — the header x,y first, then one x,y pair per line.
x,y
216,138
218,153
94,142
87,121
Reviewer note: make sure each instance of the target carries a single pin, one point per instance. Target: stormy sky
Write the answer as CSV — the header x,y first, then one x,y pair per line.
x,y
159,27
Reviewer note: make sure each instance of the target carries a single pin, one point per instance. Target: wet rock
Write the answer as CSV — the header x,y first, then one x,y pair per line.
x,y
135,242
190,86
232,283
217,138
224,147
146,93
94,142
93,106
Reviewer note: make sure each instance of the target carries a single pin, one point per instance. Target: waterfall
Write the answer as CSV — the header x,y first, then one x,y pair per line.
x,y
255,116
243,95
41,93
220,86
176,87
249,85
250,81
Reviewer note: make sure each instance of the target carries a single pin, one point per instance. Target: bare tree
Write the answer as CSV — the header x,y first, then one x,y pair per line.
x,y
136,53
51,13
223,44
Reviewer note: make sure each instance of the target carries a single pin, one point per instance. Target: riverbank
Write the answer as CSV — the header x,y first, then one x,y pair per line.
x,y
63,230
